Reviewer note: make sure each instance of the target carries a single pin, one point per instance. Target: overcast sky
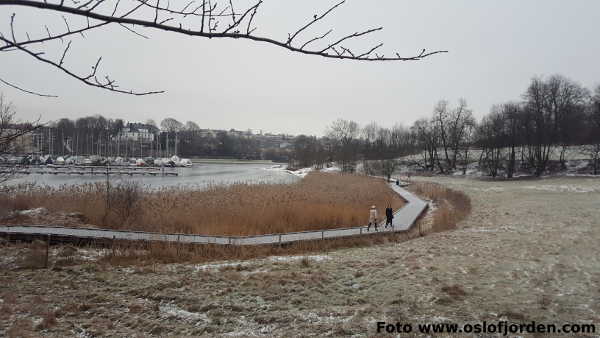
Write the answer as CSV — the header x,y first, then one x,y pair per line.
x,y
495,48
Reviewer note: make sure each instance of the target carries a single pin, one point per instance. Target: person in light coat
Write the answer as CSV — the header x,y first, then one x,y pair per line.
x,y
372,218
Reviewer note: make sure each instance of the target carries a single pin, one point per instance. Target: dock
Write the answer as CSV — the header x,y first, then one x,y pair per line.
x,y
92,171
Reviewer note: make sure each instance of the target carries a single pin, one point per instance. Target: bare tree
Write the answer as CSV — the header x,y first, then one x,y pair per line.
x,y
490,137
512,113
171,125
567,101
593,119
553,110
451,126
539,122
428,141
459,128
440,121
191,126
10,132
206,19
345,134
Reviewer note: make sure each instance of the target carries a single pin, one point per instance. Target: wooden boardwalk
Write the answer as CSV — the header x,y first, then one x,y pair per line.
x,y
403,220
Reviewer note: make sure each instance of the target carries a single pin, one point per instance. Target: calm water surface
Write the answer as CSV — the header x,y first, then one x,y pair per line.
x,y
198,176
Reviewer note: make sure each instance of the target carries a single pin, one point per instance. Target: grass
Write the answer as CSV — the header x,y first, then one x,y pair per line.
x,y
319,201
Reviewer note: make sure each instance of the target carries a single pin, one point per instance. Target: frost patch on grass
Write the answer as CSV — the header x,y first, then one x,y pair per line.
x,y
315,318
220,265
90,254
248,273
503,228
249,328
490,189
8,262
316,258
561,188
81,333
275,259
170,310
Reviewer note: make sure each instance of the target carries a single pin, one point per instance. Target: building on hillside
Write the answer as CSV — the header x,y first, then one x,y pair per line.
x,y
207,133
136,132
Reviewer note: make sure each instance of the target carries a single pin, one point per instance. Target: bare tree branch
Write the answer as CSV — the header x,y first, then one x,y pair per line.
x,y
316,18
224,34
172,20
316,38
133,31
25,90
108,85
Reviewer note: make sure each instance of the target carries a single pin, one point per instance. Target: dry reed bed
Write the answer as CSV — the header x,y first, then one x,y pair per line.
x,y
452,207
319,201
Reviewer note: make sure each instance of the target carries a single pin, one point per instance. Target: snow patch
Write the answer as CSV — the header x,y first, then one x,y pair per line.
x,y
33,212
300,172
331,170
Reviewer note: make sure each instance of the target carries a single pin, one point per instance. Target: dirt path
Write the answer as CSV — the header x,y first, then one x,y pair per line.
x,y
529,251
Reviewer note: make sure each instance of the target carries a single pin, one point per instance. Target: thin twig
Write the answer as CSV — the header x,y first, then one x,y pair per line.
x,y
25,90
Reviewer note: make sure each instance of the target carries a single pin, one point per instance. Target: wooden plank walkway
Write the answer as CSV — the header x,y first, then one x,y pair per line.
x,y
403,220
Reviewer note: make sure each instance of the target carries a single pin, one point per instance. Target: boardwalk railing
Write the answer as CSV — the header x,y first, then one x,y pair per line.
x,y
403,220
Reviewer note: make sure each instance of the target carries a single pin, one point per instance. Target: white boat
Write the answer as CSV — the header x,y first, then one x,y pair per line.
x,y
186,162
175,159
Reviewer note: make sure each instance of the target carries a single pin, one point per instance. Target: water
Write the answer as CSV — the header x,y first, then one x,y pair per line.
x,y
198,176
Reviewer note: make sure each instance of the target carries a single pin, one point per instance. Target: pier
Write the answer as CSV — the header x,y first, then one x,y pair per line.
x,y
91,170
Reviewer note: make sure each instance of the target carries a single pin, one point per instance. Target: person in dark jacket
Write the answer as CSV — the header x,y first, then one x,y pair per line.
x,y
389,216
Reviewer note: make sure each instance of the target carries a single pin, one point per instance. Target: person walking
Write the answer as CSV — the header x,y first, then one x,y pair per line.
x,y
372,218
389,216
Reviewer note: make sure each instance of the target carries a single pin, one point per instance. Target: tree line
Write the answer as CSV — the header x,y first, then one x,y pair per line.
x,y
553,114
97,135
